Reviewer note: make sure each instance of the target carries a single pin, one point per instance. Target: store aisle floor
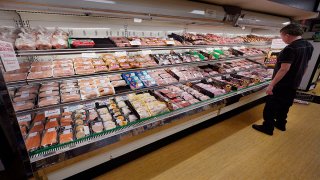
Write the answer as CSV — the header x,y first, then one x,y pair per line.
x,y
231,149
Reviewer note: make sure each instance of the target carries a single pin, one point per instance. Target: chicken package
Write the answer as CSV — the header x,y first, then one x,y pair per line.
x,y
49,137
40,75
81,70
47,101
62,72
27,89
48,93
33,141
59,39
52,123
25,42
15,77
36,127
43,41
23,105
70,97
66,136
24,97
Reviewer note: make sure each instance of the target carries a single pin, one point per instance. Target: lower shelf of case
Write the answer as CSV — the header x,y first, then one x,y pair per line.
x,y
131,140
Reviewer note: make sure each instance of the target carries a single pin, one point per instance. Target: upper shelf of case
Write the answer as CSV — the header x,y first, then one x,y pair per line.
x,y
22,53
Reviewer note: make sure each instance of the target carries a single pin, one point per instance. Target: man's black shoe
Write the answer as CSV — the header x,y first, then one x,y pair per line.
x,y
280,127
262,128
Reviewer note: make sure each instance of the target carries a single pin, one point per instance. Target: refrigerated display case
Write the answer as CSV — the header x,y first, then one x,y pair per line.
x,y
111,91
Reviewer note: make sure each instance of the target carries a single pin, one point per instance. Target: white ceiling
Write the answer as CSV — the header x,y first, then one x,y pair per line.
x,y
268,7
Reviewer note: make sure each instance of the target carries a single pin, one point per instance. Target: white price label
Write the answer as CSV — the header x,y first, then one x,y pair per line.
x,y
170,42
24,118
71,108
209,49
89,55
49,92
68,127
237,48
90,105
21,103
52,112
145,52
51,129
135,43
24,95
120,53
86,130
33,134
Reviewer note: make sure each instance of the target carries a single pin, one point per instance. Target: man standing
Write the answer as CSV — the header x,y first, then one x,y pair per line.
x,y
291,65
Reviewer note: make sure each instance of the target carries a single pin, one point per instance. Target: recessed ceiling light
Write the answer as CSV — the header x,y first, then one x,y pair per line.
x,y
286,23
200,12
101,1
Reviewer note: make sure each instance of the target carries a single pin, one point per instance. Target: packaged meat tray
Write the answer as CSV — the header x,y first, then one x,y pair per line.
x,y
37,127
66,136
66,121
81,70
40,75
52,123
41,63
70,97
24,97
61,72
82,131
83,43
23,105
48,93
39,117
49,137
15,77
96,127
47,101
27,89
33,141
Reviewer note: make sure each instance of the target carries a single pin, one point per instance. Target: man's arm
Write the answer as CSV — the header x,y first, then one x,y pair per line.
x,y
280,74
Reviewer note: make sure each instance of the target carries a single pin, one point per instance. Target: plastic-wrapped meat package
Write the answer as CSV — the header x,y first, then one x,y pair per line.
x,y
116,77
66,121
92,115
48,93
23,105
89,94
186,96
40,75
41,63
52,123
106,91
47,101
85,70
53,86
24,97
118,83
31,89
33,141
70,97
66,136
25,42
49,137
62,72
10,77
37,127
100,68
62,63
59,39
43,41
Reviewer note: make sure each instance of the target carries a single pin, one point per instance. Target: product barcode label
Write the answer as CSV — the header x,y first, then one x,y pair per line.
x,y
71,108
21,103
33,134
170,42
52,112
86,130
135,43
24,118
49,92
51,129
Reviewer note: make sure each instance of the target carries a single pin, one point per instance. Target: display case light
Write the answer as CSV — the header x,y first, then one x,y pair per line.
x,y
286,23
137,20
200,12
101,1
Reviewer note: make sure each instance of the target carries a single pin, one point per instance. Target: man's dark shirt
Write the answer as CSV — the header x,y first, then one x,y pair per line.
x,y
298,54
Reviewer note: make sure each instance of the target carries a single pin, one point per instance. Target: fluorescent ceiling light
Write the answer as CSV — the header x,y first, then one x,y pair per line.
x,y
200,12
286,23
137,20
101,1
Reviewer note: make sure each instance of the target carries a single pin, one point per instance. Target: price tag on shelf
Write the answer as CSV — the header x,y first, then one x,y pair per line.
x,y
72,108
225,48
52,112
89,105
135,43
120,53
89,55
217,48
145,52
170,42
24,118
209,49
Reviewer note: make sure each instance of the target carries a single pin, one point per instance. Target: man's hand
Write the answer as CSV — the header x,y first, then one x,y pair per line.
x,y
269,90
